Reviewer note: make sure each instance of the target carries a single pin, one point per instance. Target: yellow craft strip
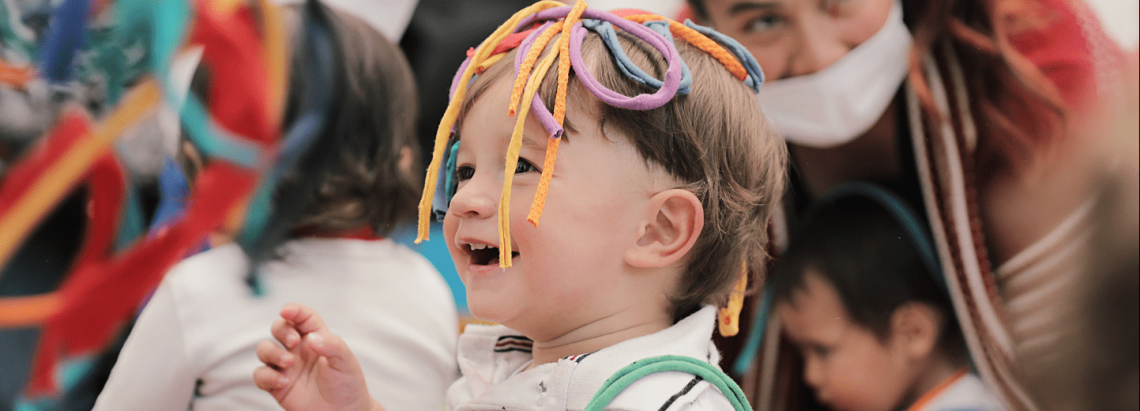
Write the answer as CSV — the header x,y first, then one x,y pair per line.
x,y
27,311
729,324
275,53
452,112
71,166
559,113
513,158
489,62
544,182
224,6
528,64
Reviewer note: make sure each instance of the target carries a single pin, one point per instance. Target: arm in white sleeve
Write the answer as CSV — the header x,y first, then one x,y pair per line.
x,y
153,371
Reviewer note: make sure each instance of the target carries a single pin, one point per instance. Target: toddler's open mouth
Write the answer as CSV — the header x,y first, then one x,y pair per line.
x,y
482,254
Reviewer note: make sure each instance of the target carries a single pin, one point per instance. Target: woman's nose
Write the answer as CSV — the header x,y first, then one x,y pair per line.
x,y
813,373
475,199
819,47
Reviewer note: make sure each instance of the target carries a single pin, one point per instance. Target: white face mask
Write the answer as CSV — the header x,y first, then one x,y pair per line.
x,y
834,106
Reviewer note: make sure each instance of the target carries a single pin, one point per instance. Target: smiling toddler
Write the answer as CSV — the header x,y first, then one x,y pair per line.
x,y
600,224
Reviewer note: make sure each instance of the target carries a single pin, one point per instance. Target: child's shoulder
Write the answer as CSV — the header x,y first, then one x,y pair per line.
x,y
969,393
494,359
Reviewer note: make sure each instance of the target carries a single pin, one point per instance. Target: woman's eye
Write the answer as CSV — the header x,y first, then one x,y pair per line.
x,y
464,173
525,166
764,24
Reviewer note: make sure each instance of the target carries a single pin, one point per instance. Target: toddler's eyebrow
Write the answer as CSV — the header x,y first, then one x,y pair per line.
x,y
534,144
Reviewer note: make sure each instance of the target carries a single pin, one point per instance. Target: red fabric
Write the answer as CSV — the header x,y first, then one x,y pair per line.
x,y
511,42
72,125
239,92
1064,52
686,13
103,290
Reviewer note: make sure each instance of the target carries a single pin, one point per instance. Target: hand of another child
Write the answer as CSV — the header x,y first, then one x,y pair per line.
x,y
315,371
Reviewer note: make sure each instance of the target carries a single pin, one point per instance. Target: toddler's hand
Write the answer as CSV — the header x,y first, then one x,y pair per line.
x,y
315,371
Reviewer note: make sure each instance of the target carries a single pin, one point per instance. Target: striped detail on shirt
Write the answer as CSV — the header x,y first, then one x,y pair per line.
x,y
578,357
688,387
509,343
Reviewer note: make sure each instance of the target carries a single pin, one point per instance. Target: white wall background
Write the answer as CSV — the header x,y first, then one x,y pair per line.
x,y
1121,18
666,8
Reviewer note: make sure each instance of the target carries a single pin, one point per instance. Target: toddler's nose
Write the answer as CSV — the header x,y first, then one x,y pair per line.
x,y
473,201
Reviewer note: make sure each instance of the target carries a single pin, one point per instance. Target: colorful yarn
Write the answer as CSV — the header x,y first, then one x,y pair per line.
x,y
513,159
559,115
533,28
452,113
239,133
59,176
524,71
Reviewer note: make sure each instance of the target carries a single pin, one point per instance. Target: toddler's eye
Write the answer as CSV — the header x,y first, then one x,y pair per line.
x,y
464,173
524,166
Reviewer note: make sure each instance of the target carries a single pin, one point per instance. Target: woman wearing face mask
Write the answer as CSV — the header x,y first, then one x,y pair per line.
x,y
976,111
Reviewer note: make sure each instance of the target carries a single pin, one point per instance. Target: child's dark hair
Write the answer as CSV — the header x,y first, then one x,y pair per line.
x,y
868,245
361,171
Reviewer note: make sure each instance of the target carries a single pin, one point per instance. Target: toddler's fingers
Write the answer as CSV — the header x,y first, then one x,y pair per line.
x,y
303,318
335,350
269,379
285,333
272,355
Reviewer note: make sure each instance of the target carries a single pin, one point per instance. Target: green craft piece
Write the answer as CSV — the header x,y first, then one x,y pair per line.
x,y
633,372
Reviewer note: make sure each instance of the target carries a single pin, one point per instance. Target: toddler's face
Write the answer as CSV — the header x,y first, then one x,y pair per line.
x,y
563,271
848,366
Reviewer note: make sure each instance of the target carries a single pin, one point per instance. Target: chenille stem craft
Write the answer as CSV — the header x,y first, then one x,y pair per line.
x,y
536,26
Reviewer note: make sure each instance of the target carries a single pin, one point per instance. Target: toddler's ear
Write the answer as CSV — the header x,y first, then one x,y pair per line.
x,y
916,326
671,225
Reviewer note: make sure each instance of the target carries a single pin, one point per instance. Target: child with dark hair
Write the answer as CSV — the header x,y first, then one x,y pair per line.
x,y
859,292
322,244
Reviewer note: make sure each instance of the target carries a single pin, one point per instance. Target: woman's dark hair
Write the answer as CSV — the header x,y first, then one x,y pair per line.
x,y
869,246
360,171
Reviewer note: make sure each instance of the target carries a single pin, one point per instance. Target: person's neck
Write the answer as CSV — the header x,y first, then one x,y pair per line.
x,y
872,156
937,372
630,322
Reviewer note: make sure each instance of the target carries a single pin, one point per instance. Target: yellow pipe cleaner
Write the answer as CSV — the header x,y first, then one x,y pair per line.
x,y
559,113
489,62
513,159
729,316
452,113
528,64
275,53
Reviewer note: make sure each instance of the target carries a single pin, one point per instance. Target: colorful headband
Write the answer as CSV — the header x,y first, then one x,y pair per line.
x,y
530,31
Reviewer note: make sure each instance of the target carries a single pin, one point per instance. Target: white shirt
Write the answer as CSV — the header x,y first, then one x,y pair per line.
x,y
194,344
493,359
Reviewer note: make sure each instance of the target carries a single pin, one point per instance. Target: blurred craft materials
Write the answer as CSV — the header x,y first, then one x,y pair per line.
x,y
105,66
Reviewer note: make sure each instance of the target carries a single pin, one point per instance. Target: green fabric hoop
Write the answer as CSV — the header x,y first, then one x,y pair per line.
x,y
633,372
